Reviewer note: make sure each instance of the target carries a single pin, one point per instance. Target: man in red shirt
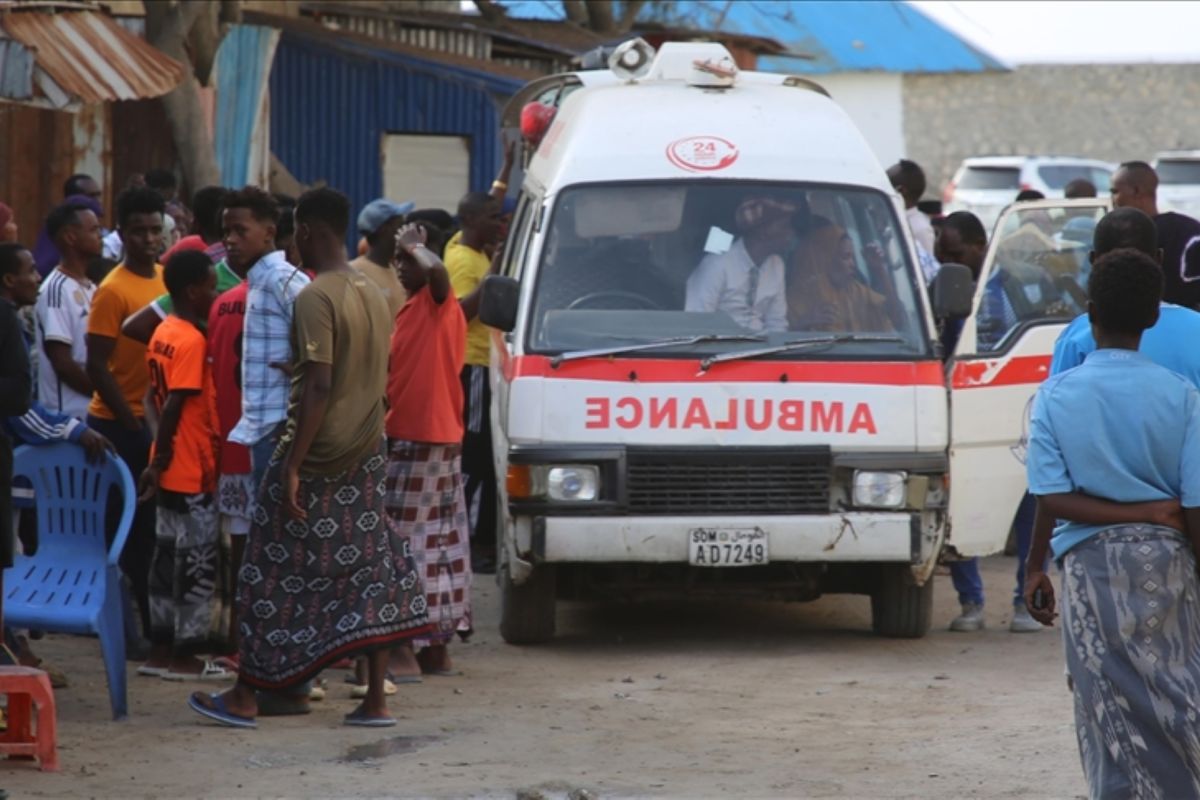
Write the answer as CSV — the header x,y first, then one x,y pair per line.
x,y
424,425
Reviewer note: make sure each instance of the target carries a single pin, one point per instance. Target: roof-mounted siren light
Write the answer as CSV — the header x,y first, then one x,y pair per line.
x,y
632,60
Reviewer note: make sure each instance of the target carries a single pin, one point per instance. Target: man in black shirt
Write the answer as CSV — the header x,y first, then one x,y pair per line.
x,y
16,381
1136,185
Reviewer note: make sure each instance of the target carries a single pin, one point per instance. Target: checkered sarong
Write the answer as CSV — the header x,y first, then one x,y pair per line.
x,y
427,510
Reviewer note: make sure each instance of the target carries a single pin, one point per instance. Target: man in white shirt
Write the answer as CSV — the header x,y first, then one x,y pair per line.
x,y
908,179
62,308
747,281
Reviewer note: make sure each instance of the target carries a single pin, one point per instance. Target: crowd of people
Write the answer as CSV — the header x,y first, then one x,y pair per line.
x,y
309,434
297,425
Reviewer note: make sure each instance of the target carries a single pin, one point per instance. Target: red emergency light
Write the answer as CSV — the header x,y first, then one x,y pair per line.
x,y
535,121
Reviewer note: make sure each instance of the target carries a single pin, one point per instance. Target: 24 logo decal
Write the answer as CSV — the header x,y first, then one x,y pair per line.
x,y
702,153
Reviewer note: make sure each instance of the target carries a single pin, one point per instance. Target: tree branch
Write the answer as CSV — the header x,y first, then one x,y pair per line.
x,y
629,14
576,11
490,11
600,16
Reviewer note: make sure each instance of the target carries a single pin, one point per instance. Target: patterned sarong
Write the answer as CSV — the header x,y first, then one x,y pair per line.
x,y
1131,626
191,579
428,514
313,591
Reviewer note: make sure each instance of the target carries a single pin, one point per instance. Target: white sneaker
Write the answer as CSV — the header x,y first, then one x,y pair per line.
x,y
970,620
1022,622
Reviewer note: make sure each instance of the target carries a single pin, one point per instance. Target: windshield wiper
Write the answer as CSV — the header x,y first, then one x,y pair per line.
x,y
682,341
799,344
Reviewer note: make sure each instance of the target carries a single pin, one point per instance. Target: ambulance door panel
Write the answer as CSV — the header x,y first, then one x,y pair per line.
x,y
1032,284
503,346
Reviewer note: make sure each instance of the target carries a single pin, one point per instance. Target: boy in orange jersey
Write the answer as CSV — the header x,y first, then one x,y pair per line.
x,y
189,578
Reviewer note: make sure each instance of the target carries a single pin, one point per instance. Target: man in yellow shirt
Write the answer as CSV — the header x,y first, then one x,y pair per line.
x,y
468,264
117,367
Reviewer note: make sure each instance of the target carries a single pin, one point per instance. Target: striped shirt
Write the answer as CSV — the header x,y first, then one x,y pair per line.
x,y
271,295
62,311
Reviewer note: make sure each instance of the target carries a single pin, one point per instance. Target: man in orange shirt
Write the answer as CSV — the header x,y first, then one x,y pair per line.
x,y
424,425
116,366
189,579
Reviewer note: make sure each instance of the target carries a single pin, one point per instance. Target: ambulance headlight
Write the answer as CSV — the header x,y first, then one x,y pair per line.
x,y
880,489
573,484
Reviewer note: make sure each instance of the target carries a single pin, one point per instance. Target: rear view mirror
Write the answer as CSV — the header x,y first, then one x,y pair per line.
x,y
952,292
498,302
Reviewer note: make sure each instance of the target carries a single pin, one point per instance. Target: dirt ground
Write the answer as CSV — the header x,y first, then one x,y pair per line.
x,y
659,700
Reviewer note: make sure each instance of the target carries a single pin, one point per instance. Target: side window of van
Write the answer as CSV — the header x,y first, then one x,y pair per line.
x,y
1039,275
518,236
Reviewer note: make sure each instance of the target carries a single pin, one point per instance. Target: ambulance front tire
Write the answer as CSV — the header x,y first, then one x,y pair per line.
x,y
527,610
899,608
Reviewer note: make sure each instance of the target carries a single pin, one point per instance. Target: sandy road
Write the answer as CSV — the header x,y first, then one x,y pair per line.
x,y
672,700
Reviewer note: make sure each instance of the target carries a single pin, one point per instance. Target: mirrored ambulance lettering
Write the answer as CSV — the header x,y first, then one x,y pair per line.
x,y
674,413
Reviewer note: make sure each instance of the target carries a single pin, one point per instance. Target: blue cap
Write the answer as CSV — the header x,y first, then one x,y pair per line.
x,y
377,212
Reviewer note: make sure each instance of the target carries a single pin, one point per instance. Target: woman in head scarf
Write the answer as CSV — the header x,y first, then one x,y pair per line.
x,y
825,290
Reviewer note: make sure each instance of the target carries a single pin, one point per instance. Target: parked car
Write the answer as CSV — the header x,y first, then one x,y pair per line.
x,y
1179,181
985,185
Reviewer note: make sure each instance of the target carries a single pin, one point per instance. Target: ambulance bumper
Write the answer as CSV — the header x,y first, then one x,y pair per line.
x,y
850,537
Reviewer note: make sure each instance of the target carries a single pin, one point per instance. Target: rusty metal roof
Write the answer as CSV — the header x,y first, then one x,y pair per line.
x,y
82,57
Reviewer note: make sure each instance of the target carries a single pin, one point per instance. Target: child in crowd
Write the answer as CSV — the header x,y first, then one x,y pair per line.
x,y
189,575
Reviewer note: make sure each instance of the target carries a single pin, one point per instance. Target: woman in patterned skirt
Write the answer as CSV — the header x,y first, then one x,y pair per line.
x,y
425,501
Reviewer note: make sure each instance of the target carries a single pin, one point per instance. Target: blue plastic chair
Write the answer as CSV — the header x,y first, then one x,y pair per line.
x,y
72,584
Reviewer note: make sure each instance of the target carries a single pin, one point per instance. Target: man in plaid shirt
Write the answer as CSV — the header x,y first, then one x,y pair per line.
x,y
248,221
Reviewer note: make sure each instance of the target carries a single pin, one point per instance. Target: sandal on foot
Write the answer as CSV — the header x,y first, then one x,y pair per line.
x,y
210,672
219,712
398,679
359,691
358,719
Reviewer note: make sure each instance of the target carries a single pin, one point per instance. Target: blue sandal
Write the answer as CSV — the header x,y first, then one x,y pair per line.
x,y
357,719
219,712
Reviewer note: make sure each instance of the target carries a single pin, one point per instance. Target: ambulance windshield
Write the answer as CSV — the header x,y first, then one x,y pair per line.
x,y
710,262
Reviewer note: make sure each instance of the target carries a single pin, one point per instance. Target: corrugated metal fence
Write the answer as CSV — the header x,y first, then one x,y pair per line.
x,y
332,102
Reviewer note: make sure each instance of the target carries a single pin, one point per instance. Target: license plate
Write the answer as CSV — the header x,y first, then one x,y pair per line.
x,y
727,547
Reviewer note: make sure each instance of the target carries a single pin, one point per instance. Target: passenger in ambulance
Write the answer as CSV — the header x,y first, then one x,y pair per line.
x,y
747,280
825,290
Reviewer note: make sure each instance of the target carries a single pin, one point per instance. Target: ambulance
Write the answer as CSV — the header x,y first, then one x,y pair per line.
x,y
718,366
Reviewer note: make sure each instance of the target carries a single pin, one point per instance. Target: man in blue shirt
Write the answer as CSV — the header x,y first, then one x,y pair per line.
x,y
1162,343
1114,451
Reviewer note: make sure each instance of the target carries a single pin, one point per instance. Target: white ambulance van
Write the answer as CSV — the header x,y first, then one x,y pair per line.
x,y
716,366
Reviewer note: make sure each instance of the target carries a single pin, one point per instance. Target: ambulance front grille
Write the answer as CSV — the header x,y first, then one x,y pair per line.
x,y
722,482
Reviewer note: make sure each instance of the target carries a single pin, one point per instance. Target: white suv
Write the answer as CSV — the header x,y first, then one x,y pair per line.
x,y
1179,181
985,185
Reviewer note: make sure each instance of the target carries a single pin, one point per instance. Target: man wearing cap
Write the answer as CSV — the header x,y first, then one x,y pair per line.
x,y
378,222
747,280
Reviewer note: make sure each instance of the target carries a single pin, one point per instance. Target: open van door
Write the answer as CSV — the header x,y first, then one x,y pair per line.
x,y
1033,284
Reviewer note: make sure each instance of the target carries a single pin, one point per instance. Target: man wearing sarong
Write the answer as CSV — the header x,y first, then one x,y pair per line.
x,y
425,500
1115,452
320,580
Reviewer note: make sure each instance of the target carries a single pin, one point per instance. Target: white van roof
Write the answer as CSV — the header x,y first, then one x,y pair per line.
x,y
779,127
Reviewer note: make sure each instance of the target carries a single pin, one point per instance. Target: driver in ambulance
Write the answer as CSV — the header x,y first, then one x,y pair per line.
x,y
747,281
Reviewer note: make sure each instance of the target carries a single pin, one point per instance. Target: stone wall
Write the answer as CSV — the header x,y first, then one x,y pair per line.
x,y
1116,112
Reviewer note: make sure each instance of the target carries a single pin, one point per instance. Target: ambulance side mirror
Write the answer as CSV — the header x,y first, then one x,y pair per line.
x,y
952,292
498,302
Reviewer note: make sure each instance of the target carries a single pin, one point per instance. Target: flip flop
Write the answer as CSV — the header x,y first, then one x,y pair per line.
x,y
444,673
357,719
151,672
398,679
219,713
211,672
359,691
227,662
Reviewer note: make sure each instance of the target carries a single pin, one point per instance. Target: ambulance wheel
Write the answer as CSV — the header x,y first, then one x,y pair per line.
x,y
527,610
899,608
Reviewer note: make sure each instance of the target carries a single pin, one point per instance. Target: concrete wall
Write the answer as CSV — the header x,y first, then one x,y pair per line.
x,y
874,101
1116,112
